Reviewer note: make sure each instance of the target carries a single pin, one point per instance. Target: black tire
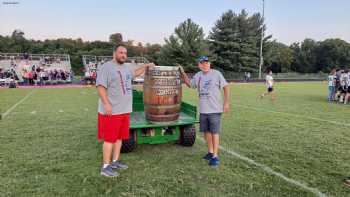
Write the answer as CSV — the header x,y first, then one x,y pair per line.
x,y
188,135
130,144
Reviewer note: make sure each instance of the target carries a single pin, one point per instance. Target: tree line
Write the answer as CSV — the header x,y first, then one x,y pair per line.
x,y
232,45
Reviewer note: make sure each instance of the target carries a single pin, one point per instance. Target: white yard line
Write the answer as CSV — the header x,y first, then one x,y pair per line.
x,y
18,103
269,170
295,115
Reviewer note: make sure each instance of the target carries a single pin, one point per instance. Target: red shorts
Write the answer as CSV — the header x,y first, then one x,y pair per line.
x,y
114,127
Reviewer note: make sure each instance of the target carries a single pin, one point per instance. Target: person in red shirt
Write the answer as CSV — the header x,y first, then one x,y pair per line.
x,y
93,76
30,77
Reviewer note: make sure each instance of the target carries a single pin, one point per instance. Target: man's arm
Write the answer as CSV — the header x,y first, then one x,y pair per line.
x,y
185,78
226,98
102,92
139,71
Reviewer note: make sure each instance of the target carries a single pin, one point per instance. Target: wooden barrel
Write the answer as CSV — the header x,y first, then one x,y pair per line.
x,y
162,94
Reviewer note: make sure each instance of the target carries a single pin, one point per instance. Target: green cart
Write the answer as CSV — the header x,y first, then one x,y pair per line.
x,y
182,131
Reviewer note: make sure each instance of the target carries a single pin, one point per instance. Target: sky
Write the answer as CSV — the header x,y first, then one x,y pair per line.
x,y
151,21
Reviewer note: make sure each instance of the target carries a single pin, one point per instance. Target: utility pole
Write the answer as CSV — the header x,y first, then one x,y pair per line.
x,y
262,39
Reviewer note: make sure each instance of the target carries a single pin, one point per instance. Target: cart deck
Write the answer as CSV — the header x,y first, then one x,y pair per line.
x,y
138,120
188,114
145,132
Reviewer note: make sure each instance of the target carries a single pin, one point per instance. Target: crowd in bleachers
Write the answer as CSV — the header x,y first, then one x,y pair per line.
x,y
90,73
91,63
40,76
339,86
34,76
25,69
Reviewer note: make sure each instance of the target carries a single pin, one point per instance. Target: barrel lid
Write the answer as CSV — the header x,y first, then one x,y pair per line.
x,y
166,68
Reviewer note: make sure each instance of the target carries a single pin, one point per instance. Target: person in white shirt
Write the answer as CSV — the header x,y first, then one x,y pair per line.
x,y
41,77
347,84
87,77
87,74
269,84
331,85
343,88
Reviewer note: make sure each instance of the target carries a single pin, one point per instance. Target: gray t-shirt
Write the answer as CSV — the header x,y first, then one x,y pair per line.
x,y
116,78
209,88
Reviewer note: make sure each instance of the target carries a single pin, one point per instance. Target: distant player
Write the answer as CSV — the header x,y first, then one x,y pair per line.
x,y
269,84
337,85
343,87
347,81
331,85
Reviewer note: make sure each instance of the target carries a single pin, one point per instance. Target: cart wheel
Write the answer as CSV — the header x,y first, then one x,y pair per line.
x,y
130,144
188,135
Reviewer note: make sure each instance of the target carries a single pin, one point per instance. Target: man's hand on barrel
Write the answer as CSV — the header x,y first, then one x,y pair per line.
x,y
149,65
182,70
185,78
139,71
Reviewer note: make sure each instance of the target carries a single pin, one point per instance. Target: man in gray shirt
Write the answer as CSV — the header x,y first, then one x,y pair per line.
x,y
209,83
114,106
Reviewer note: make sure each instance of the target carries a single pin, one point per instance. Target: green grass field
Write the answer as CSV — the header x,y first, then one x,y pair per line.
x,y
48,147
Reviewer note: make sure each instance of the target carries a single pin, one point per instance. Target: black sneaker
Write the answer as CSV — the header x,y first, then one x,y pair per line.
x,y
119,165
208,156
108,172
214,162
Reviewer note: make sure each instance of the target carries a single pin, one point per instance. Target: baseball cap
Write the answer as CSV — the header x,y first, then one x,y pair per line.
x,y
203,59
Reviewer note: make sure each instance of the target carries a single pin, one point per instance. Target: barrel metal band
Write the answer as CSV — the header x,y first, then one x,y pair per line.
x,y
163,106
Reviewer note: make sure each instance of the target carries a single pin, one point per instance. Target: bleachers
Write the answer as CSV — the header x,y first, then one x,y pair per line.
x,y
26,61
91,61
54,68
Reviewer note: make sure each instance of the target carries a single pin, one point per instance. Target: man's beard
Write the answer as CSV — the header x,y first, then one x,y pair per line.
x,y
120,61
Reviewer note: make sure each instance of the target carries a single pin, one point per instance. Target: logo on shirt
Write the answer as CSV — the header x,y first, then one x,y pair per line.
x,y
125,82
204,89
128,86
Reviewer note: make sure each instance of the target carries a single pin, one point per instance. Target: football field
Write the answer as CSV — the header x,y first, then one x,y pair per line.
x,y
297,146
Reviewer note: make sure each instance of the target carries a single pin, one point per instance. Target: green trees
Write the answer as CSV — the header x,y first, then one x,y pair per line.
x,y
235,41
311,56
184,46
278,56
116,38
333,53
233,45
305,56
17,43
